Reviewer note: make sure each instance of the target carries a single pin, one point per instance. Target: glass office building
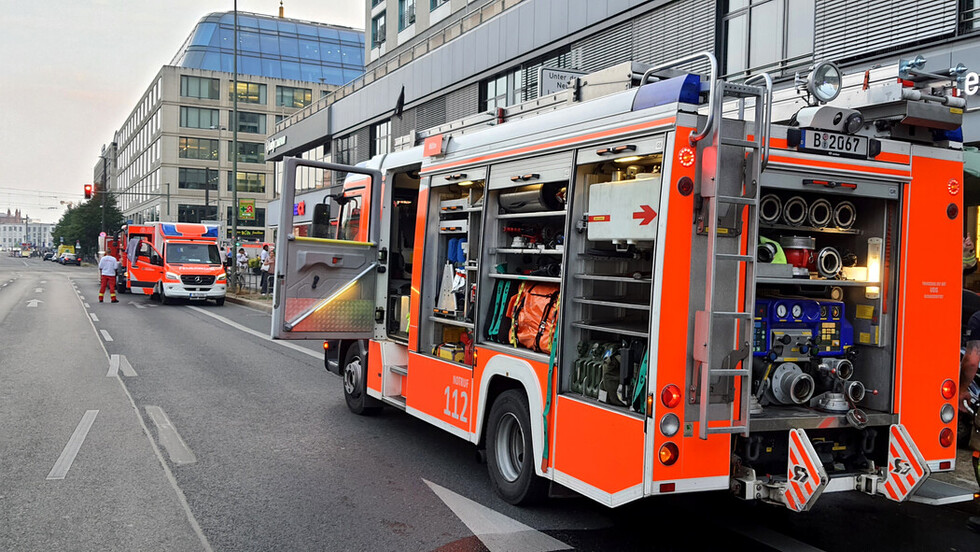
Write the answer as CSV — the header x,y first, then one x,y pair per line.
x,y
274,47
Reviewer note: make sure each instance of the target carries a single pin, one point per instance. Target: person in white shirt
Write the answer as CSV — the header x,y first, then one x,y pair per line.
x,y
107,268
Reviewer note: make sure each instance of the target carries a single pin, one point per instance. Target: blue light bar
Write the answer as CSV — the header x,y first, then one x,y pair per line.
x,y
685,89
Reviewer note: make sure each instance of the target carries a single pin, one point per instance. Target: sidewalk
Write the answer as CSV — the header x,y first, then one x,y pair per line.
x,y
252,300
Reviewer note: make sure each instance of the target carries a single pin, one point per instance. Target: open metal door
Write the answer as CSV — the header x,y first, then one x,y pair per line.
x,y
325,287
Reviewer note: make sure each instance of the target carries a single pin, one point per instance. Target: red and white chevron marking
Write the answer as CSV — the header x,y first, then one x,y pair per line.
x,y
906,468
804,475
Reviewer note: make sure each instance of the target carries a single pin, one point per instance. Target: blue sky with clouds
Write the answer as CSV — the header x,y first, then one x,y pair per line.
x,y
72,70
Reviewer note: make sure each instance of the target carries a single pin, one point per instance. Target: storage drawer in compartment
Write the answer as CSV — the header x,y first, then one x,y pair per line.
x,y
453,226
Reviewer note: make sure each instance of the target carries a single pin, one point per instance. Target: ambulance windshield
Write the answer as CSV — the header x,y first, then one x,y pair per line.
x,y
193,253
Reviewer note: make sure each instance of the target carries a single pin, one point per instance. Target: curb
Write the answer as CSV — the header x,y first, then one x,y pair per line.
x,y
257,305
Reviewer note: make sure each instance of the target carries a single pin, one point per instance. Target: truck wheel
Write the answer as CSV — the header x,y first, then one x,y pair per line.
x,y
355,382
510,452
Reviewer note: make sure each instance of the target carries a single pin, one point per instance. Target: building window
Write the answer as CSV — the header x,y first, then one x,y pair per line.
x,y
288,96
199,87
969,16
198,117
501,91
197,179
249,152
248,92
249,122
251,182
197,148
376,2
344,149
433,4
763,33
380,138
196,213
406,13
259,218
378,30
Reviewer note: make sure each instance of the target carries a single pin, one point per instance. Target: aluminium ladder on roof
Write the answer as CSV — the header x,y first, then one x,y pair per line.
x,y
723,331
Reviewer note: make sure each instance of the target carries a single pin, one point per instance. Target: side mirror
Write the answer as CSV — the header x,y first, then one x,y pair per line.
x,y
156,260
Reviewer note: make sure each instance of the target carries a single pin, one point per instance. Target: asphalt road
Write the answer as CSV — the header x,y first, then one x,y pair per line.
x,y
210,436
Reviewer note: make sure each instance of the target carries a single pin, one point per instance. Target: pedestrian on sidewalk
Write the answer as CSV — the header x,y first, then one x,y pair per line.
x,y
268,273
264,269
107,268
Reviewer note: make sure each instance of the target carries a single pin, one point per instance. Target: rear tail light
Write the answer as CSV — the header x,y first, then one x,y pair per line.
x,y
945,465
949,389
668,454
946,413
946,437
671,396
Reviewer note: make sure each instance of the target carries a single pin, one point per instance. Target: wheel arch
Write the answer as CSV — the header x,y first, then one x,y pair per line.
x,y
503,373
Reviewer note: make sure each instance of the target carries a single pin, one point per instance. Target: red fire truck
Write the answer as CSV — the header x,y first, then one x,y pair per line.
x,y
649,292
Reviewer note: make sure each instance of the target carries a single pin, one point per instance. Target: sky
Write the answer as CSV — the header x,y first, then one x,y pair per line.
x,y
71,71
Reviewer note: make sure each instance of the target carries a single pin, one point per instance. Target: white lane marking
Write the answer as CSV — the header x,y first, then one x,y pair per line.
x,y
82,297
38,290
25,263
770,538
163,463
178,450
44,281
119,363
496,531
6,284
94,318
33,303
260,335
87,306
105,335
61,467
139,306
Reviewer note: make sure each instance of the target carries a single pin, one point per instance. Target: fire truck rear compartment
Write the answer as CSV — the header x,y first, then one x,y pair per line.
x,y
842,451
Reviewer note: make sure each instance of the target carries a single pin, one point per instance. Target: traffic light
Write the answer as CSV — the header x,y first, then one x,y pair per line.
x,y
88,191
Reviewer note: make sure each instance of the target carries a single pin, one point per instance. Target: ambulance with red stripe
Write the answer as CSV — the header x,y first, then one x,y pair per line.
x,y
659,290
170,261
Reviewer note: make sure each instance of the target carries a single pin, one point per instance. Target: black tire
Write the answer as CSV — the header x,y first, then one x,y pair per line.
x,y
163,296
510,451
219,302
355,384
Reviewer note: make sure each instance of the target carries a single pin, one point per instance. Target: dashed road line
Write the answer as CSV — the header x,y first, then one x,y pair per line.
x,y
64,462
87,306
260,335
38,290
105,335
119,363
178,450
94,317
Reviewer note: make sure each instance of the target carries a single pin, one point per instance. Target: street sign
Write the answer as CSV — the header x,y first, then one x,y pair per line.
x,y
246,209
554,80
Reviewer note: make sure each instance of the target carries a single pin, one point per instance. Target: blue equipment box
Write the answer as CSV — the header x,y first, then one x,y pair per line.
x,y
823,318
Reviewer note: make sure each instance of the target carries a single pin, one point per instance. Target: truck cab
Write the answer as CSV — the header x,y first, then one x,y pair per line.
x,y
182,262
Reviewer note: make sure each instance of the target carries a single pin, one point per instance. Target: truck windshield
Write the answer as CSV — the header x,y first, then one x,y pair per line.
x,y
193,253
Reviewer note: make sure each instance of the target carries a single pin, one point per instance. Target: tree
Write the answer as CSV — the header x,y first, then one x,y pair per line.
x,y
83,223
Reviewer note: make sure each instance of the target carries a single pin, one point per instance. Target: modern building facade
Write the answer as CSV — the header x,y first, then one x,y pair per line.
x,y
17,229
450,59
172,159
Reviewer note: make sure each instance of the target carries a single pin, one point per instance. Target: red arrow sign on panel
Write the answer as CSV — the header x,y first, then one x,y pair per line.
x,y
646,214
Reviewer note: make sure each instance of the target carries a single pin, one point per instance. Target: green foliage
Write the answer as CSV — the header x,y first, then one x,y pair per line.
x,y
254,262
84,222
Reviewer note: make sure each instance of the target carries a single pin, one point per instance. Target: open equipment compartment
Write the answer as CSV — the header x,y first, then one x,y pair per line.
x,y
610,255
524,249
449,313
823,327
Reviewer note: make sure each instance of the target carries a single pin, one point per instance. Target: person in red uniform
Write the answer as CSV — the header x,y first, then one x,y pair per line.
x,y
107,268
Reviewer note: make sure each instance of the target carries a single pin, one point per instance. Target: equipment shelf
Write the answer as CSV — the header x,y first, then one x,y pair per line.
x,y
614,278
826,230
617,302
452,322
523,251
778,418
812,282
555,279
534,214
623,327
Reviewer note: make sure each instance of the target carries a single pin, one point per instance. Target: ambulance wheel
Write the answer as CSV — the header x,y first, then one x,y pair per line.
x,y
510,452
355,384
163,296
219,302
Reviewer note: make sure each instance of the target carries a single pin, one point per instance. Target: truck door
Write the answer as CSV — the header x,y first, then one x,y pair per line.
x,y
325,287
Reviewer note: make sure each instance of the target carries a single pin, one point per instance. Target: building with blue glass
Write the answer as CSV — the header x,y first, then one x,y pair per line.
x,y
171,159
